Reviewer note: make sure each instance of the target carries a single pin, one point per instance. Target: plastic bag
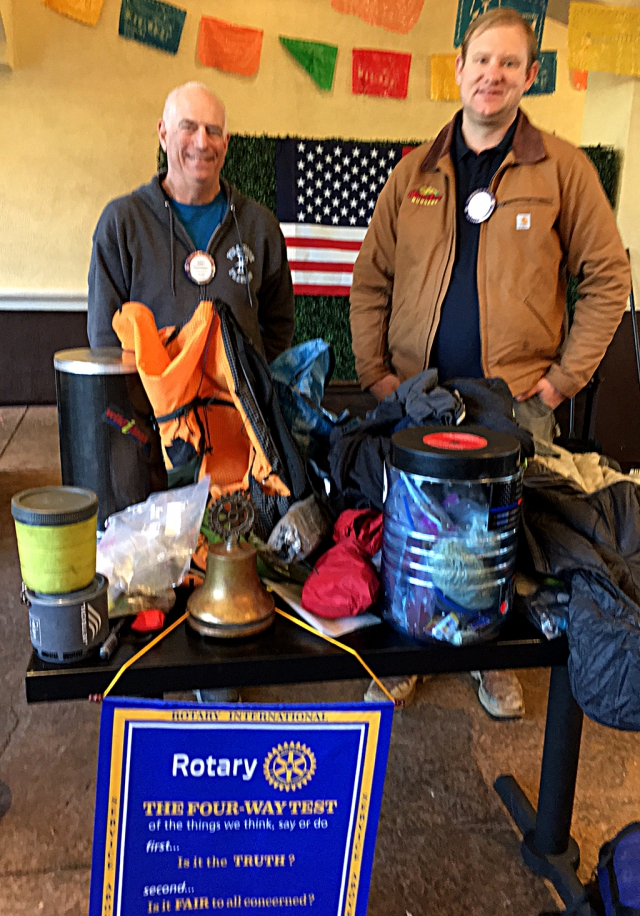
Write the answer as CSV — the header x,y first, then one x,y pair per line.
x,y
299,377
146,549
300,531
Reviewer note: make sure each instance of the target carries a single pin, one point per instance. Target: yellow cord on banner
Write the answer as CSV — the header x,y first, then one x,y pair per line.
x,y
300,623
154,642
340,645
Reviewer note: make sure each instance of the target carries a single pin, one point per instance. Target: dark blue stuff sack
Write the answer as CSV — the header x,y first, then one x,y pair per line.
x,y
619,872
300,375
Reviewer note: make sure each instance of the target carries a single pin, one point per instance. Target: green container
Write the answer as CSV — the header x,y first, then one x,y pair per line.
x,y
56,532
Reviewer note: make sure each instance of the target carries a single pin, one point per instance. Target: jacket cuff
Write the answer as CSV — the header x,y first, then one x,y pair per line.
x,y
371,376
563,381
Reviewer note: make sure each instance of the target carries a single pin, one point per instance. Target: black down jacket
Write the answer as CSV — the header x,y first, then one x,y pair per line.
x,y
592,541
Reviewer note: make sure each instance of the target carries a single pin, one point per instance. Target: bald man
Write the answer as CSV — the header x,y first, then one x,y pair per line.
x,y
188,236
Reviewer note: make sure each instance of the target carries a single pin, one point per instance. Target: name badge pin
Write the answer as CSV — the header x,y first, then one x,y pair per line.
x,y
200,267
480,205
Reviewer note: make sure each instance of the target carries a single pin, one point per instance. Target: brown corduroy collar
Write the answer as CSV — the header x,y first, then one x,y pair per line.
x,y
527,147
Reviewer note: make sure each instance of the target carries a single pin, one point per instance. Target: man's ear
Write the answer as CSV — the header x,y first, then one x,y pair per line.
x,y
531,75
162,134
459,66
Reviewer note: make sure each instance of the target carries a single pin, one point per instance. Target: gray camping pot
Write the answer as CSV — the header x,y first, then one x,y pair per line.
x,y
67,628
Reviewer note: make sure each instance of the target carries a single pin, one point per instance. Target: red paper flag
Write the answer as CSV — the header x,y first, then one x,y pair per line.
x,y
384,73
229,47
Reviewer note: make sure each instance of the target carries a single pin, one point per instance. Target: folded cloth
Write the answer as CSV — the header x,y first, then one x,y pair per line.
x,y
488,402
358,451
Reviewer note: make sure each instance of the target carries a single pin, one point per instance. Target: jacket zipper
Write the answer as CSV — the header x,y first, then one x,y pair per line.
x,y
191,247
442,291
493,186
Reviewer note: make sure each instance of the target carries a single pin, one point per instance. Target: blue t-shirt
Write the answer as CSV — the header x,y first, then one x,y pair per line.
x,y
201,220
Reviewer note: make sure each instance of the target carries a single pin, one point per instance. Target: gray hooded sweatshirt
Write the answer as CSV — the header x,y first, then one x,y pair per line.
x,y
139,251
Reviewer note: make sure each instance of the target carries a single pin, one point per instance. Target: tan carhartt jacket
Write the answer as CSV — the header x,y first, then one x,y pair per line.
x,y
551,218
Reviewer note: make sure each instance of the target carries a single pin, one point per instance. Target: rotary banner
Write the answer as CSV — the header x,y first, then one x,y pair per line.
x,y
318,59
394,15
86,11
384,73
246,808
229,47
604,38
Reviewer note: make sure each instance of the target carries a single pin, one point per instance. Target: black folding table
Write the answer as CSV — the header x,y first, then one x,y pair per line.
x,y
287,654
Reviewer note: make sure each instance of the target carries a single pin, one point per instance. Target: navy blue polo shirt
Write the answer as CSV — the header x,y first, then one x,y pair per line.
x,y
456,350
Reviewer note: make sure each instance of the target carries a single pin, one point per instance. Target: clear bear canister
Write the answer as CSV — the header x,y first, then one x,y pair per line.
x,y
451,517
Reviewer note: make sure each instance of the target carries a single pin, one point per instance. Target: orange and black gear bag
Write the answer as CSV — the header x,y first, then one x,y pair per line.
x,y
216,408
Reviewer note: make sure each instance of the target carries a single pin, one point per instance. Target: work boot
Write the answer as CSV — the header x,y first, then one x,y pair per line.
x,y
218,695
500,693
401,688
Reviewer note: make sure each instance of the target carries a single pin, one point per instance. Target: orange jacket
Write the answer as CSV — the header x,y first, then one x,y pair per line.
x,y
190,384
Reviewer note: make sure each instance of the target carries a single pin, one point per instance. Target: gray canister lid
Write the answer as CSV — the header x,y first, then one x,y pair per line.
x,y
53,506
100,361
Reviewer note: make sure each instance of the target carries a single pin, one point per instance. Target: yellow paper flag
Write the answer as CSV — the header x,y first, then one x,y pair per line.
x,y
87,11
443,78
604,38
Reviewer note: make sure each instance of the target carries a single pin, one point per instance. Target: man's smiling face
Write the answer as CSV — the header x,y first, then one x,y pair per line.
x,y
495,75
193,135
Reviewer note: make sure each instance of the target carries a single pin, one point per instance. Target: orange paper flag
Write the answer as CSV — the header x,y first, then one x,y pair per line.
x,y
394,15
579,79
87,11
229,47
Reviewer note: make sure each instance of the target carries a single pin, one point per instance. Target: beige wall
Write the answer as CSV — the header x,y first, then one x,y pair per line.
x,y
80,109
612,118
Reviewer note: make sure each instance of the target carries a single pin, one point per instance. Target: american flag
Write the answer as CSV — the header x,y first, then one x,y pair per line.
x,y
326,192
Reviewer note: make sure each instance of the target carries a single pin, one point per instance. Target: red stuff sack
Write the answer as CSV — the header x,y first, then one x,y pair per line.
x,y
343,582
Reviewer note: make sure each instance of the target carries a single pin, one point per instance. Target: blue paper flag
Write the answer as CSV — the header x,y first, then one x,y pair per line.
x,y
532,11
152,23
545,81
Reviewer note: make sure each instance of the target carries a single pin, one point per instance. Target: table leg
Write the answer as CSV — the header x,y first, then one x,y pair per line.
x,y
547,845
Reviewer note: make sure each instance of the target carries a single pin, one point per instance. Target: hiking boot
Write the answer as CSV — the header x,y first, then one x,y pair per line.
x,y
401,688
500,693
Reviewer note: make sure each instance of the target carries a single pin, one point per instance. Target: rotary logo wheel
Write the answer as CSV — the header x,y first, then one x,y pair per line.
x,y
232,516
289,766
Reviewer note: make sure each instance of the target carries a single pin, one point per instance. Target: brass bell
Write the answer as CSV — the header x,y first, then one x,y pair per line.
x,y
232,601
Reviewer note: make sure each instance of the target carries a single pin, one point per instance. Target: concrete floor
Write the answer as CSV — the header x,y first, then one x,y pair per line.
x,y
445,845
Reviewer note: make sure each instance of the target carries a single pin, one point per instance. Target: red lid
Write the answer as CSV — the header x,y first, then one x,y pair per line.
x,y
148,621
457,442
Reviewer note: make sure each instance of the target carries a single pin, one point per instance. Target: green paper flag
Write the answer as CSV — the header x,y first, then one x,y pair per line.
x,y
318,59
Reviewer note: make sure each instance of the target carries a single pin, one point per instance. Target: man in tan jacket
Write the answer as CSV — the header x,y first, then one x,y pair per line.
x,y
464,265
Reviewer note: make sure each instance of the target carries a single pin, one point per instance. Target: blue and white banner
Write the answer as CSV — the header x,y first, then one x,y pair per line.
x,y
243,808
